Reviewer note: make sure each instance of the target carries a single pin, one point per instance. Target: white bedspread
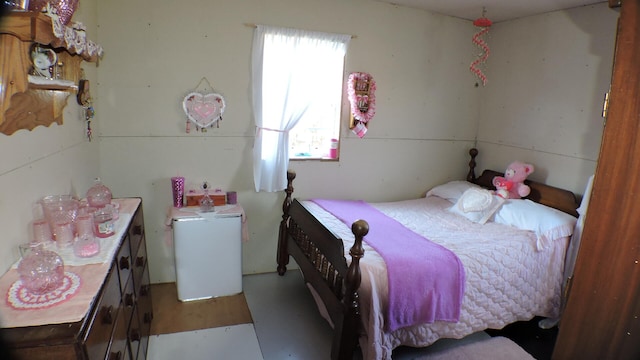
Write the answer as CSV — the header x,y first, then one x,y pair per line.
x,y
507,279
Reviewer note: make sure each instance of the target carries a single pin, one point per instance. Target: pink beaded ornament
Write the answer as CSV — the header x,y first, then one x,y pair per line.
x,y
63,8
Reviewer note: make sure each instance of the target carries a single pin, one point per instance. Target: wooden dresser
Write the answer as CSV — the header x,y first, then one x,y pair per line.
x,y
118,320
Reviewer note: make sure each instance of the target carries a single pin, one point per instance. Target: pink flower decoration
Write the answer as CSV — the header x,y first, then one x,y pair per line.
x,y
363,107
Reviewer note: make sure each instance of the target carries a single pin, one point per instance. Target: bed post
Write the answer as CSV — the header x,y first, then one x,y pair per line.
x,y
471,176
283,253
349,334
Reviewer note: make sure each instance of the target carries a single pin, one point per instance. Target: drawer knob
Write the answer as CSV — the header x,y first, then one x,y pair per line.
x,y
124,262
115,355
148,316
129,300
107,314
137,230
135,335
140,261
144,290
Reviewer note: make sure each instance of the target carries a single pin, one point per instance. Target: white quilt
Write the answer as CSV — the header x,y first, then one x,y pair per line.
x,y
507,278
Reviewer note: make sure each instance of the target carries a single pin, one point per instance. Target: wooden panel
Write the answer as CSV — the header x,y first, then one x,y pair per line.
x,y
136,231
105,317
24,105
59,352
119,346
29,27
551,196
123,263
145,311
601,316
135,335
139,266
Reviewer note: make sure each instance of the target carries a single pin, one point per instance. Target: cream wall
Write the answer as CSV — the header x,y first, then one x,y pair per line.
x,y
547,78
157,52
45,161
546,73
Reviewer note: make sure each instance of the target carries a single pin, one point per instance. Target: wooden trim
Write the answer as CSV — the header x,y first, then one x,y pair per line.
x,y
601,316
544,194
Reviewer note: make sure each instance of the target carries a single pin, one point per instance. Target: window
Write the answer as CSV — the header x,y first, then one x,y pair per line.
x,y
297,95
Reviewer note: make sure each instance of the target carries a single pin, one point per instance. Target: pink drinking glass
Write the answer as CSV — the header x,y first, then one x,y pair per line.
x,y
84,225
41,231
64,234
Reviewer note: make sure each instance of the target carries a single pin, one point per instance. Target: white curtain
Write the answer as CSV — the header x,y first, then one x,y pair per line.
x,y
284,65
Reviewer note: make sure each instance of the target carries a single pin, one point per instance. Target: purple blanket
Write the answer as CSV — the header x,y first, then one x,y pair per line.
x,y
426,280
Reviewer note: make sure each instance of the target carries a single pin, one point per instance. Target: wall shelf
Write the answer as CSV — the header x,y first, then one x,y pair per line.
x,y
28,101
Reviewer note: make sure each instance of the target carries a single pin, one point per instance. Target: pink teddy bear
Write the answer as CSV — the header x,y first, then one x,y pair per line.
x,y
512,186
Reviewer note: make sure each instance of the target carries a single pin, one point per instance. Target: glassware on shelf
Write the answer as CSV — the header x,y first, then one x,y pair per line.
x,y
206,203
84,225
86,246
103,225
41,271
59,209
98,195
41,231
65,234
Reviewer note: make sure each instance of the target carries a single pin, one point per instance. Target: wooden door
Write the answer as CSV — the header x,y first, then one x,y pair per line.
x,y
602,317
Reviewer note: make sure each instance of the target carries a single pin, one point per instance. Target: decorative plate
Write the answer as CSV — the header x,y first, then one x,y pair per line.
x,y
203,109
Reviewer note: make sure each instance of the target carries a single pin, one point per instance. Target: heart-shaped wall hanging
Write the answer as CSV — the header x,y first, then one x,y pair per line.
x,y
203,109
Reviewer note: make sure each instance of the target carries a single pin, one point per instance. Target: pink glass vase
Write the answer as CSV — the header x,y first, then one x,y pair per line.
x,y
41,271
63,8
98,195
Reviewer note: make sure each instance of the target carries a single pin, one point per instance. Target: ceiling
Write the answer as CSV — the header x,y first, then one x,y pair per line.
x,y
496,10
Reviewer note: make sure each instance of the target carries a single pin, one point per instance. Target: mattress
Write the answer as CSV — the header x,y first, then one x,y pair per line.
x,y
507,278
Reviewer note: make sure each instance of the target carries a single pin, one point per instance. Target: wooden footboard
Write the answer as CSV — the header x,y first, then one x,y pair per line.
x,y
320,255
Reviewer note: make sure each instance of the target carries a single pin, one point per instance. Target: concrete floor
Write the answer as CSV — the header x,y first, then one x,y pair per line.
x,y
286,325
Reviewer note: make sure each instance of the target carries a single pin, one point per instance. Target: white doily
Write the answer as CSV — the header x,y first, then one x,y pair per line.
x,y
19,298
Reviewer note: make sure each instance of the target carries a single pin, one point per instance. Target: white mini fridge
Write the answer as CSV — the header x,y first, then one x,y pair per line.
x,y
208,253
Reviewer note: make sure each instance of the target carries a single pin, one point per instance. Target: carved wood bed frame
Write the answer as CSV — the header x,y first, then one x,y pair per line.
x,y
320,254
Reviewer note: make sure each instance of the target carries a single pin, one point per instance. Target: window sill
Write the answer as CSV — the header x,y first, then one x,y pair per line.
x,y
307,158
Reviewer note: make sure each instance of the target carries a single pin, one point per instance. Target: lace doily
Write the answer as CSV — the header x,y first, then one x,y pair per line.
x,y
75,38
19,298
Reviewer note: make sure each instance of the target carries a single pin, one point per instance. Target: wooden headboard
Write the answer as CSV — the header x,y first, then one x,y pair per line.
x,y
557,198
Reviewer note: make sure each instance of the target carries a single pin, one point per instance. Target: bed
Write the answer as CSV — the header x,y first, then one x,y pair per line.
x,y
510,273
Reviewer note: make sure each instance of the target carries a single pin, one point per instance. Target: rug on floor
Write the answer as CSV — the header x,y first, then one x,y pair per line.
x,y
495,348
171,315
238,342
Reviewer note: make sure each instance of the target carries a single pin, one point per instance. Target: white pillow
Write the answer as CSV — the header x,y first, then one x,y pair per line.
x,y
477,205
451,190
547,223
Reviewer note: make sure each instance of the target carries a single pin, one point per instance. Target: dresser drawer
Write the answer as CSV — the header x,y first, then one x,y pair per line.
x,y
129,300
135,334
145,313
136,231
139,265
124,263
119,348
105,317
